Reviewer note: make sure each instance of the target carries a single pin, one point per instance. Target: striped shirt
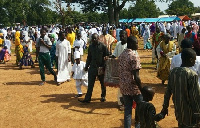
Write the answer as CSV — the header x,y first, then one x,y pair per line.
x,y
183,84
145,114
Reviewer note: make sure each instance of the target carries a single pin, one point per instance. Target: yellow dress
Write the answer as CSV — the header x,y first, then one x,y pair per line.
x,y
18,47
71,38
164,61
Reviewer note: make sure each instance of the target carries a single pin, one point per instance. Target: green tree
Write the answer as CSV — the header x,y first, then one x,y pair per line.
x,y
181,7
124,14
197,9
111,7
144,9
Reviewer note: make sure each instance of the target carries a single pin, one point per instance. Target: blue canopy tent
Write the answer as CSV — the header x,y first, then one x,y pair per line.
x,y
139,20
121,20
131,20
151,19
169,19
126,20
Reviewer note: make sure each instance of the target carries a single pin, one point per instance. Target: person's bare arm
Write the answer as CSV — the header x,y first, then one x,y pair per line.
x,y
137,78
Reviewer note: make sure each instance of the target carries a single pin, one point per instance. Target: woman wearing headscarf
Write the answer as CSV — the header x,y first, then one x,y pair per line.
x,y
146,35
18,47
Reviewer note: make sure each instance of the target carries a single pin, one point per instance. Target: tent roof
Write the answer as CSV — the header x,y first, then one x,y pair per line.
x,y
184,18
139,20
169,19
151,19
126,20
121,20
131,20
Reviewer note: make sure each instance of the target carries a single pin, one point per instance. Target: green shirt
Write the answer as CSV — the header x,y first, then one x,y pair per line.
x,y
183,85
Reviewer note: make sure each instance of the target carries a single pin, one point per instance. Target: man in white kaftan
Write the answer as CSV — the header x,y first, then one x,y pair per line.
x,y
63,51
175,29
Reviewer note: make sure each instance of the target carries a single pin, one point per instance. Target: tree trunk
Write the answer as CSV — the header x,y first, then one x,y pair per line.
x,y
110,12
117,9
116,17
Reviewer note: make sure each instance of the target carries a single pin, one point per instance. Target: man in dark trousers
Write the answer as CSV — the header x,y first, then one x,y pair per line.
x,y
95,64
44,44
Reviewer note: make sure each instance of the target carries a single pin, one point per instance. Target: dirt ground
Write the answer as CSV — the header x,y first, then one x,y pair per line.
x,y
24,104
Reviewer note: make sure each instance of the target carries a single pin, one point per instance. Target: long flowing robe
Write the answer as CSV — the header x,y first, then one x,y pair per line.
x,y
165,61
146,35
18,47
63,48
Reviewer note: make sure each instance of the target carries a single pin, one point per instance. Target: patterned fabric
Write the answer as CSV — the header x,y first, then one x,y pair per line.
x,y
129,61
183,84
145,113
111,77
156,38
7,56
107,40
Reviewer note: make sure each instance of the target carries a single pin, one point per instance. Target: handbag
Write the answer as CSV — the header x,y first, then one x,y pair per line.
x,y
101,71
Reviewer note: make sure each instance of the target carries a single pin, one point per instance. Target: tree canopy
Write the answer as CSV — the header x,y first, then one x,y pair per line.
x,y
181,7
144,9
40,12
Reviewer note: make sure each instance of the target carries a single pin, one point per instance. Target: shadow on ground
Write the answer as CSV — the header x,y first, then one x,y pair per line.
x,y
69,98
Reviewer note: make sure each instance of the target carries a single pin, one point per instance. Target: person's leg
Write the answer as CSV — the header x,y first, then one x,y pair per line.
x,y
91,81
137,99
78,86
103,88
128,102
144,43
119,97
48,65
41,66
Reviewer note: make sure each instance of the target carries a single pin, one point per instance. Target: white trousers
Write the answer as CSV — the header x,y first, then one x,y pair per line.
x,y
79,83
30,46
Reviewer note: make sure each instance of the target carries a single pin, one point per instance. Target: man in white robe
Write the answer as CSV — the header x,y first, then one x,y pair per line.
x,y
175,29
84,35
63,52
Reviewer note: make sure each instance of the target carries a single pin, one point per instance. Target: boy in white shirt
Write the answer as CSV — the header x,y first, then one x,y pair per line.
x,y
79,74
78,45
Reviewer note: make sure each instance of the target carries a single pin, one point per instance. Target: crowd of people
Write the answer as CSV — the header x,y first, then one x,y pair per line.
x,y
175,50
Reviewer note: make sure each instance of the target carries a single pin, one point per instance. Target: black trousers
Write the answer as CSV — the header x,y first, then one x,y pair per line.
x,y
92,73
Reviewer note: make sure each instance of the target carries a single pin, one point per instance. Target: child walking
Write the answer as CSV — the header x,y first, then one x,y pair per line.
x,y
79,74
145,113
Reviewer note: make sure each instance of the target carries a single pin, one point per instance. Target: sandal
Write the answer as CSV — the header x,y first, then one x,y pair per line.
x,y
41,84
